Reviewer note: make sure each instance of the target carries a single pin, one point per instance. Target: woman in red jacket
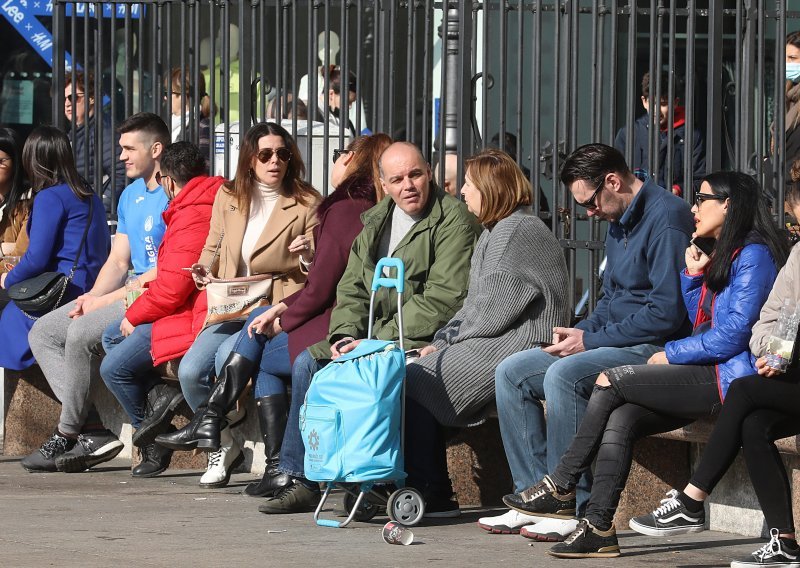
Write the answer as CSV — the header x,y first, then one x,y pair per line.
x,y
273,337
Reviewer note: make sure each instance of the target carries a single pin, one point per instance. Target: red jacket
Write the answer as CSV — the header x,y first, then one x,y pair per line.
x,y
309,313
171,302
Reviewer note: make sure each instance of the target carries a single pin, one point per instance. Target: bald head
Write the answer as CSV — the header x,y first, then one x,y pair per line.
x,y
406,177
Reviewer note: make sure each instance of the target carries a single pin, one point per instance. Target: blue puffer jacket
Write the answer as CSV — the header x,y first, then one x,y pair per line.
x,y
734,311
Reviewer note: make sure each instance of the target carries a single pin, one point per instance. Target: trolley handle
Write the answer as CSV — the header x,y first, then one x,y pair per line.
x,y
397,282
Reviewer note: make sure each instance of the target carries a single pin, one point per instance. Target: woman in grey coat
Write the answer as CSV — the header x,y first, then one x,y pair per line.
x,y
517,295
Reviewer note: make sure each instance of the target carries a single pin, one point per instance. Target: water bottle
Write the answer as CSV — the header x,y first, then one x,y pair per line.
x,y
133,288
781,343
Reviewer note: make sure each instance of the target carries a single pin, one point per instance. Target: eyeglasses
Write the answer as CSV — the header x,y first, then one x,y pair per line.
x,y
700,197
160,177
78,97
5,162
265,155
339,153
591,203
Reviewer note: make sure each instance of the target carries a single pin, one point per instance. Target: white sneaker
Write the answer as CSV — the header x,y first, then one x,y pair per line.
x,y
508,523
222,462
550,530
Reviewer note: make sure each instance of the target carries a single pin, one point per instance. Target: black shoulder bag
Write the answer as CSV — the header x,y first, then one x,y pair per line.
x,y
43,293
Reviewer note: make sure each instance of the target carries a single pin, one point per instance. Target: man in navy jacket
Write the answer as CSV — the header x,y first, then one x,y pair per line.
x,y
641,308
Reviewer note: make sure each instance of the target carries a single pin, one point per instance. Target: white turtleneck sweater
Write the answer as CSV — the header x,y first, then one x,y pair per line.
x,y
260,209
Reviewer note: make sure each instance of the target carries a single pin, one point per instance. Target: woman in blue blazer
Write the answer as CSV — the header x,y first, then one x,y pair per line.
x,y
723,290
56,224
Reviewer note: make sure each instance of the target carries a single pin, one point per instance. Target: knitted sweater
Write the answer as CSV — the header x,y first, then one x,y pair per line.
x,y
517,294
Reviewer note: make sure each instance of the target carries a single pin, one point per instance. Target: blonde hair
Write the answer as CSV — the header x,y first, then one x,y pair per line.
x,y
501,183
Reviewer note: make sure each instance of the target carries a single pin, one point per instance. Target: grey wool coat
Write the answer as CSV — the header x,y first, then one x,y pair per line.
x,y
517,294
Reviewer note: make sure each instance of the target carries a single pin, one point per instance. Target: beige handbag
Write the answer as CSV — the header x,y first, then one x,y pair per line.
x,y
235,298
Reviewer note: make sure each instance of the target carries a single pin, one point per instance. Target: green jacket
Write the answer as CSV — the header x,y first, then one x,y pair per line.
x,y
436,253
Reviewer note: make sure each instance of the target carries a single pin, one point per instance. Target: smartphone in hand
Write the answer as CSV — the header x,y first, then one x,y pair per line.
x,y
704,244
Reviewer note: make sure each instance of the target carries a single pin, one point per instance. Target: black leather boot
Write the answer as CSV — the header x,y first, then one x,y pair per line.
x,y
209,419
272,415
155,460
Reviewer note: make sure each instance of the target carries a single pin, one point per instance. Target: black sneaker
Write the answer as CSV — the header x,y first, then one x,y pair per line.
x,y
44,459
671,518
292,498
588,542
438,507
162,400
543,500
92,448
773,554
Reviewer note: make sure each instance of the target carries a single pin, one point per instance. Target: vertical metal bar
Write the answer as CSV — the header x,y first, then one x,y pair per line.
x,y
309,116
653,100
738,122
85,87
613,71
688,191
98,89
596,93
359,65
224,85
427,56
688,169
485,79
410,60
128,69
246,16
59,39
389,43
344,63
464,96
536,88
342,94
441,136
714,86
780,108
520,63
632,105
503,40
212,91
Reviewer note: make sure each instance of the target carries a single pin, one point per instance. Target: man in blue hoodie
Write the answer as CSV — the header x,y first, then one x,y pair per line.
x,y
641,308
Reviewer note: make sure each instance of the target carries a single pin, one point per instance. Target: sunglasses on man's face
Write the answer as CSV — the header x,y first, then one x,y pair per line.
x,y
265,155
591,203
160,177
339,153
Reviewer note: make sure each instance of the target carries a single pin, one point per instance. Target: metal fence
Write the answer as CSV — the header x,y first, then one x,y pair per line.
x,y
452,77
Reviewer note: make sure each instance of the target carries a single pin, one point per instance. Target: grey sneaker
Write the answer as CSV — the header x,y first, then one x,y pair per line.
x,y
92,448
44,459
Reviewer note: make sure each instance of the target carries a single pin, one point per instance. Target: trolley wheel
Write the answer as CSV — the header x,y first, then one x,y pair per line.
x,y
366,510
406,506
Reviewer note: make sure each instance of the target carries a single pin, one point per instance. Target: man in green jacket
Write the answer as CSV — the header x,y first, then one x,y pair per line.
x,y
434,235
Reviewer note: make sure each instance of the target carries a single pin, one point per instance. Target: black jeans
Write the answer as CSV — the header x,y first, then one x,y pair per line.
x,y
757,412
426,453
642,400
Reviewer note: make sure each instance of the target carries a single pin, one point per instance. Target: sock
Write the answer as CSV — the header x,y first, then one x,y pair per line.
x,y
68,436
693,505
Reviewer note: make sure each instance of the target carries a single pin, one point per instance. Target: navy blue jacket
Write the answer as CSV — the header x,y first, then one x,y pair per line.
x,y
734,312
640,164
642,300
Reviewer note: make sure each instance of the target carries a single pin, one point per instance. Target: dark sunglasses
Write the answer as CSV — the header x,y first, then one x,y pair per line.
x,y
265,155
591,203
339,153
700,197
159,177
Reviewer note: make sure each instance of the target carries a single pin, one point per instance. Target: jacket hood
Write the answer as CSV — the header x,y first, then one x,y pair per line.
x,y
199,191
351,188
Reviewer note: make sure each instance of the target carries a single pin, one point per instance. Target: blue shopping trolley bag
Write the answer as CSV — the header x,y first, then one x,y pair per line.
x,y
351,420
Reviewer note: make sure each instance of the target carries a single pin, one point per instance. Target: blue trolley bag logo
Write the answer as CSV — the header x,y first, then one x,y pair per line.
x,y
351,420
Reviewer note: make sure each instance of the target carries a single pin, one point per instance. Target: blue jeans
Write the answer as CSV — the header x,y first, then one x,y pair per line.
x,y
534,446
127,369
275,367
293,451
197,365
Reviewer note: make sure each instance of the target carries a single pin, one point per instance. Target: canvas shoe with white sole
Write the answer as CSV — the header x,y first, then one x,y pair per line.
x,y
509,522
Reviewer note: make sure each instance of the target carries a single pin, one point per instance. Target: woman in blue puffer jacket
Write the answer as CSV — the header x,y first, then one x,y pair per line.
x,y
724,291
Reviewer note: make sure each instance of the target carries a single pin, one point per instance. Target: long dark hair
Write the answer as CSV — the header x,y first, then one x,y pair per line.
x,y
243,185
48,161
747,211
9,143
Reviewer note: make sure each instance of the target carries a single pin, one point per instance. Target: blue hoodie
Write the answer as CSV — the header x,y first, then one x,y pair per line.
x,y
642,301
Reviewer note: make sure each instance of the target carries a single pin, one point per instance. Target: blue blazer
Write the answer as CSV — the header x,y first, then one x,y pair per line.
x,y
55,227
734,312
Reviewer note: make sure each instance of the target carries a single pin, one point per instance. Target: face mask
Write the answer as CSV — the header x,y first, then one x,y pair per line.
x,y
793,72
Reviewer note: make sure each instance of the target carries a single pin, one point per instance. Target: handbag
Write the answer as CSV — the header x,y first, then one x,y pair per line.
x,y
44,293
234,298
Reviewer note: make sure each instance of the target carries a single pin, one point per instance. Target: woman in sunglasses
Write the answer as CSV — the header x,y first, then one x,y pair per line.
x,y
272,338
724,290
261,223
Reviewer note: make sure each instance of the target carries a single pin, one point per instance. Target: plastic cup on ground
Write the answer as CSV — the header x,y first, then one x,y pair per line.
x,y
395,533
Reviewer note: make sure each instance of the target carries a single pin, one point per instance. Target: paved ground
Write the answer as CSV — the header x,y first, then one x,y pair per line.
x,y
107,518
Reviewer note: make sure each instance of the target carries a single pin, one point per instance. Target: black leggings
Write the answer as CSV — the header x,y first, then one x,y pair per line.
x,y
757,412
642,400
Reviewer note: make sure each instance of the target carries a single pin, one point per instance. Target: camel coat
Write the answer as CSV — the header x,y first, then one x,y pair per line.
x,y
288,220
